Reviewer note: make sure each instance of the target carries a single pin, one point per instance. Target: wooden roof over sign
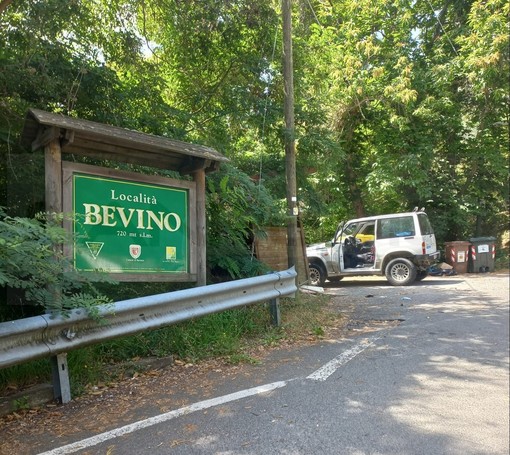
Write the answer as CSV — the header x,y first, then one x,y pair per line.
x,y
101,141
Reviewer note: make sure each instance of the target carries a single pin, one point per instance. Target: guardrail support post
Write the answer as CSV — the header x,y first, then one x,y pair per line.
x,y
274,309
60,375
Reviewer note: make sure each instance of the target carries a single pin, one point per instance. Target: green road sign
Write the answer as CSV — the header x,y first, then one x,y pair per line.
x,y
124,226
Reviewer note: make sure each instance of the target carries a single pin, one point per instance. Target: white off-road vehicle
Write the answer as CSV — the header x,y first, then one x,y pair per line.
x,y
400,246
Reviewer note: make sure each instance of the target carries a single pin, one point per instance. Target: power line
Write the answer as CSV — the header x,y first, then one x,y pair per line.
x,y
313,12
442,28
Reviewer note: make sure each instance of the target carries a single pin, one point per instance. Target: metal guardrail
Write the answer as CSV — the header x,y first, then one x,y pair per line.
x,y
42,336
49,336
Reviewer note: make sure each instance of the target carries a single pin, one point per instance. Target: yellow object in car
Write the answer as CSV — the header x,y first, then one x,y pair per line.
x,y
365,237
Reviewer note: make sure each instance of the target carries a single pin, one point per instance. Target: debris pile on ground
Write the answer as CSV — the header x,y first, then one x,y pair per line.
x,y
442,269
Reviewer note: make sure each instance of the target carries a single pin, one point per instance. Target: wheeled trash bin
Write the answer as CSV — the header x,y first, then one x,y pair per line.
x,y
456,254
482,254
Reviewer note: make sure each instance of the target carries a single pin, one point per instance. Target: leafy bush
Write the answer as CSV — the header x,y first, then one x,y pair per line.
x,y
33,265
237,211
230,335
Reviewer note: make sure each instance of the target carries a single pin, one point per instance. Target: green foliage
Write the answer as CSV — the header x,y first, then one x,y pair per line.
x,y
31,261
21,403
24,375
237,210
230,335
418,96
218,335
397,104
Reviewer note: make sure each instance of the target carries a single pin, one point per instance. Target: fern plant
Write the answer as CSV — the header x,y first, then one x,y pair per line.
x,y
32,264
237,211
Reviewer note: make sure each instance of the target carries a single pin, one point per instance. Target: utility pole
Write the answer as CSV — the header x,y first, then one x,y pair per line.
x,y
290,145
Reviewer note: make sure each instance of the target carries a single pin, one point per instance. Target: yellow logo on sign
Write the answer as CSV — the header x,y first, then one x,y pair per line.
x,y
171,253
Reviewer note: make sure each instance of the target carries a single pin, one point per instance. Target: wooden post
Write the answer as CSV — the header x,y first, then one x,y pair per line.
x,y
290,149
199,178
305,272
53,197
53,176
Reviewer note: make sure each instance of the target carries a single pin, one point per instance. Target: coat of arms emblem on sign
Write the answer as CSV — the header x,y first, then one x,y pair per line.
x,y
135,251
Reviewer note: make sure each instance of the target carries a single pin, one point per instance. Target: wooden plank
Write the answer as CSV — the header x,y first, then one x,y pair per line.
x,y
94,148
54,205
68,168
45,135
192,165
184,165
199,178
123,137
53,177
303,272
154,277
272,251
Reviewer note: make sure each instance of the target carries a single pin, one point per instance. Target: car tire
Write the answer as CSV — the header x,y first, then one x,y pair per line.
x,y
317,274
401,272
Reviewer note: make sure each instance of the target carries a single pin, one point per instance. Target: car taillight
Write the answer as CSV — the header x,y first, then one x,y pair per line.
x,y
423,249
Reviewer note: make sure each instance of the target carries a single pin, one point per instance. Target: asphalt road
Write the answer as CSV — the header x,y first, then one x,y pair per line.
x,y
418,370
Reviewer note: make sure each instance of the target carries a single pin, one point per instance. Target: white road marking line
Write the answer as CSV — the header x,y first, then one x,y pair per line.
x,y
329,368
95,440
319,375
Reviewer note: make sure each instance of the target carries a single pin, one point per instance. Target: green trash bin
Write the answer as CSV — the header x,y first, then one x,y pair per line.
x,y
482,254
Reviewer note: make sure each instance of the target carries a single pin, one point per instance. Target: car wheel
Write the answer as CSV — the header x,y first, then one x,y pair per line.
x,y
317,275
421,274
401,272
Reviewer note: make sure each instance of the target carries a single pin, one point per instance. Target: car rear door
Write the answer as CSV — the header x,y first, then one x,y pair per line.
x,y
427,235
